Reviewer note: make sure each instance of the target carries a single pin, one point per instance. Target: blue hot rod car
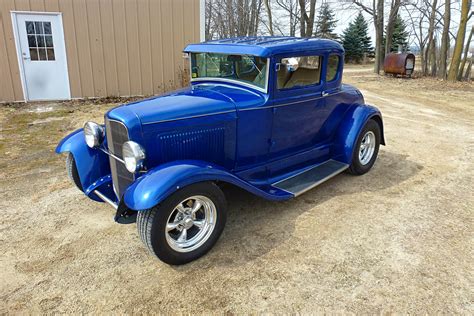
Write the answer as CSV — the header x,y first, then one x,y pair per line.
x,y
267,114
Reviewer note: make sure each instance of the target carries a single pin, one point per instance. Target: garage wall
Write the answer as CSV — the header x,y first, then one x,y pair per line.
x,y
114,47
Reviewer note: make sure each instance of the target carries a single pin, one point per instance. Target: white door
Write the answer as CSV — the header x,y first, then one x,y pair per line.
x,y
42,55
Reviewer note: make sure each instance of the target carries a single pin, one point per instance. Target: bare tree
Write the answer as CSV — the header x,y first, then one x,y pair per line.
x,y
466,52
458,47
443,56
394,7
269,14
230,18
291,7
431,49
307,21
376,11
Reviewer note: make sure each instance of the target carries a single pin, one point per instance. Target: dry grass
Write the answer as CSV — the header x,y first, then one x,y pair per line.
x,y
398,239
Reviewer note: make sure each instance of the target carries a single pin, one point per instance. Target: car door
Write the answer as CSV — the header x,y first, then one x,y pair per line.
x,y
298,109
335,103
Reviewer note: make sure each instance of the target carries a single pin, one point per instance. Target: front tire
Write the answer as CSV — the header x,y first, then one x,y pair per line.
x,y
72,172
186,225
366,148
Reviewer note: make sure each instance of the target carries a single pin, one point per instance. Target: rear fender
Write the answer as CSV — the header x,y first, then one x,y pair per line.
x,y
350,128
162,181
92,164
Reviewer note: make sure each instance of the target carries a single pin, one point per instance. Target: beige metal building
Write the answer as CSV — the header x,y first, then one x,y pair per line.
x,y
63,49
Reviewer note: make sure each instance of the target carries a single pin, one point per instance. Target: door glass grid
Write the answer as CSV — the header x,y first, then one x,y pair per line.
x,y
40,40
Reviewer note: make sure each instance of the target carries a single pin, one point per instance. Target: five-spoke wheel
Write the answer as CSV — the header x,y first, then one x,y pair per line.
x,y
366,148
186,225
191,223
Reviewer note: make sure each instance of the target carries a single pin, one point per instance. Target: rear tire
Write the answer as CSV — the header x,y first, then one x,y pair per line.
x,y
162,227
366,148
72,172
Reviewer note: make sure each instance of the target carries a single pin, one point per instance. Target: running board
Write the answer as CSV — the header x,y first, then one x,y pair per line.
x,y
312,177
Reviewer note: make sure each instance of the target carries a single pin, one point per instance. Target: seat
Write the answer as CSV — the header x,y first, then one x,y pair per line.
x,y
303,77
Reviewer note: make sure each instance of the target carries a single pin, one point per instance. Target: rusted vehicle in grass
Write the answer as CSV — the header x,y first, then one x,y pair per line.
x,y
399,64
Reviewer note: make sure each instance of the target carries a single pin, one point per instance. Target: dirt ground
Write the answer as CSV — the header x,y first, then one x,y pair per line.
x,y
398,239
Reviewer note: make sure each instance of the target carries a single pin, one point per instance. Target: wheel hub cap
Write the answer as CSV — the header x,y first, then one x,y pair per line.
x,y
191,223
188,223
367,148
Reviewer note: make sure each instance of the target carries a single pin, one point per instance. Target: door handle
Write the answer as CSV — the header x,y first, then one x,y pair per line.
x,y
26,58
324,94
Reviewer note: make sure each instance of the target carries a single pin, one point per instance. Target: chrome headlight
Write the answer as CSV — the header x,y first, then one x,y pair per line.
x,y
93,134
133,156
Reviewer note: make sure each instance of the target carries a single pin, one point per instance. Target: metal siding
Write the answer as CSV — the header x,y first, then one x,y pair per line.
x,y
109,55
13,90
96,48
113,47
156,46
133,47
65,6
81,23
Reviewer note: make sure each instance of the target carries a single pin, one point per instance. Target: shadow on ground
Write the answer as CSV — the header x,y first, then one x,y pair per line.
x,y
254,229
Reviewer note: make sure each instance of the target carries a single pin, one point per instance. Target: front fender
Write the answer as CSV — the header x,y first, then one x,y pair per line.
x,y
160,182
92,164
351,126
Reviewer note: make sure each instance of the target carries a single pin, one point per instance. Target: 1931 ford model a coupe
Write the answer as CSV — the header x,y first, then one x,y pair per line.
x,y
267,114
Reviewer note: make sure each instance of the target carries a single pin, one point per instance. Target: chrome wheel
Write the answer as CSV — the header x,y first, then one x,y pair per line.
x,y
191,223
367,148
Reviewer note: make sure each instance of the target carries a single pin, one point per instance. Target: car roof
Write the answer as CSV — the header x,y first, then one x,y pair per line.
x,y
265,46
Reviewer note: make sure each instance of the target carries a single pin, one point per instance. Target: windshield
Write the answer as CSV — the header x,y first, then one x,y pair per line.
x,y
243,68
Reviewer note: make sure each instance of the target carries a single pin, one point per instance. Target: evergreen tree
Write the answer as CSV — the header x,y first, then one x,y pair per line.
x,y
400,34
325,23
356,40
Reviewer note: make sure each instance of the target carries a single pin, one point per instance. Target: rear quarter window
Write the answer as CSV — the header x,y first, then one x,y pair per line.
x,y
333,65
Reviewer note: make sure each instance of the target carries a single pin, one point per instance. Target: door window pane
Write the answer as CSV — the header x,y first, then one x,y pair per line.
x,y
47,27
42,54
49,40
31,41
333,63
50,54
40,40
299,71
34,53
39,27
30,27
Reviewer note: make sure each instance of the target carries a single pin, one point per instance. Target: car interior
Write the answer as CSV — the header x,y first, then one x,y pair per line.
x,y
306,72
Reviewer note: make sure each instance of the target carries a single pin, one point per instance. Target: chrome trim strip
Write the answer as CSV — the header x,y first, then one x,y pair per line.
x,y
189,117
106,199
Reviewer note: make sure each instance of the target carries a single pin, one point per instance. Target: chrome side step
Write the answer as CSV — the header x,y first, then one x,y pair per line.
x,y
310,178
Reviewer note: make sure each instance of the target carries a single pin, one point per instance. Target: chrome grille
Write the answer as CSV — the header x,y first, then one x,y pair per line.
x,y
117,134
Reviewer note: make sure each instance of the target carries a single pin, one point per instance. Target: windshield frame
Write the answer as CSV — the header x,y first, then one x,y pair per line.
x,y
234,81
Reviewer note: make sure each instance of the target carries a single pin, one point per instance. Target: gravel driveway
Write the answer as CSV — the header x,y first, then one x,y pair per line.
x,y
398,239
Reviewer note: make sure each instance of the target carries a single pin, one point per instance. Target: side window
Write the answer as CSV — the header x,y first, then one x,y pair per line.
x,y
333,63
299,72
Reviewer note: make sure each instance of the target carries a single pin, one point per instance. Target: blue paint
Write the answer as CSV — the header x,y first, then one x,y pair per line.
x,y
215,131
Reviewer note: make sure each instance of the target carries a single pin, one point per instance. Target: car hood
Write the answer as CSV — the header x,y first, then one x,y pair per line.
x,y
194,101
